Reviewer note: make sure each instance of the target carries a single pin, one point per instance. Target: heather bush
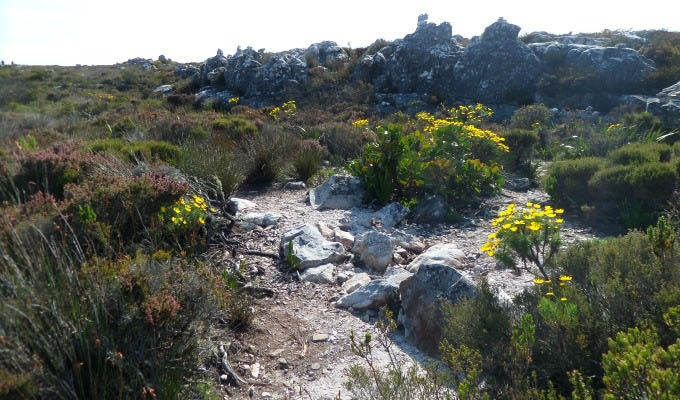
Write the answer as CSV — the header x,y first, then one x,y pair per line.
x,y
110,213
214,162
344,142
83,329
51,169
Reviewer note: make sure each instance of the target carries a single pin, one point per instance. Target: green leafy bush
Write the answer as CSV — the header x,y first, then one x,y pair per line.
x,y
522,143
344,142
639,153
146,150
638,193
567,181
437,160
528,117
214,162
234,128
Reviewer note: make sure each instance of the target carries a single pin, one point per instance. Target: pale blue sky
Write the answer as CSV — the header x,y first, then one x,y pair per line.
x,y
68,32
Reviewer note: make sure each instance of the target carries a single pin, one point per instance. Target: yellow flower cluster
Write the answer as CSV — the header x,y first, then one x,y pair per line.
x,y
564,279
530,220
288,109
463,118
360,123
234,100
186,211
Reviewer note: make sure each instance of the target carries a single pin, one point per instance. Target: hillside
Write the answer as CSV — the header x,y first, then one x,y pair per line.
x,y
432,217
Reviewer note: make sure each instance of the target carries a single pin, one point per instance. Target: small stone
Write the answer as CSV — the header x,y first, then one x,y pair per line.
x,y
255,370
276,353
344,237
319,337
283,364
316,366
295,186
224,378
266,395
325,231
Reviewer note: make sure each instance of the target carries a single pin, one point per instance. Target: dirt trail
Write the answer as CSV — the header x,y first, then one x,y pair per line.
x,y
294,366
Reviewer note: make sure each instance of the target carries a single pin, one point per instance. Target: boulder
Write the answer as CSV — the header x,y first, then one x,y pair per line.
x,y
374,250
407,241
443,253
421,297
310,249
164,90
518,184
373,295
396,275
356,282
262,219
431,209
338,192
670,93
321,274
237,205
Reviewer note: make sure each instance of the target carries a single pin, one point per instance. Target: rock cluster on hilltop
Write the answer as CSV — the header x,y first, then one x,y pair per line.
x,y
431,65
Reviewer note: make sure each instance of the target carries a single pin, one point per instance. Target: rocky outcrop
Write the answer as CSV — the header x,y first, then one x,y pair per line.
x,y
421,298
338,192
665,105
309,249
430,65
421,62
497,67
619,69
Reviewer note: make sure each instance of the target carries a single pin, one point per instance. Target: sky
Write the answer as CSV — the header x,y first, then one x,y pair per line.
x,y
69,32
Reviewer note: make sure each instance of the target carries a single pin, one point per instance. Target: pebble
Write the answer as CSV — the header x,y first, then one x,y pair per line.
x,y
316,366
283,364
255,370
319,337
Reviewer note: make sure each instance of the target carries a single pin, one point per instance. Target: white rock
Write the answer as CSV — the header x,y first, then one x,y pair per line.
x,y
444,253
320,274
338,192
372,295
325,231
374,250
356,282
310,249
237,205
346,238
262,219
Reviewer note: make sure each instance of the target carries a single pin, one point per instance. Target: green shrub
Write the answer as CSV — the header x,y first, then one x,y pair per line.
x,y
234,128
528,117
642,123
521,143
567,181
124,126
639,153
152,150
309,159
107,145
439,160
